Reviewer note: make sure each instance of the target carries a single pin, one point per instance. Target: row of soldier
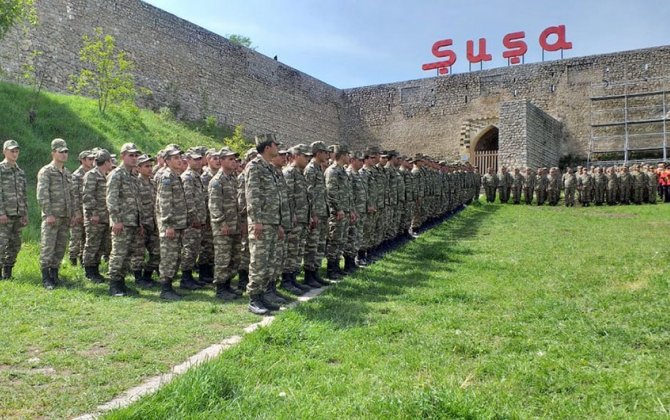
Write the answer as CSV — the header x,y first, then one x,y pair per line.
x,y
202,209
611,185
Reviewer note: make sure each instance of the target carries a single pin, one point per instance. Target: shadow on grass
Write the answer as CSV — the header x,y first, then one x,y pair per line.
x,y
348,303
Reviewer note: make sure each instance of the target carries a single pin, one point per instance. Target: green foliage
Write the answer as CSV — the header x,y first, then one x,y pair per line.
x,y
237,142
107,75
165,113
13,12
242,40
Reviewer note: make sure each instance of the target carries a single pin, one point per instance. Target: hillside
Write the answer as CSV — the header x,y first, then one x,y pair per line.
x,y
78,121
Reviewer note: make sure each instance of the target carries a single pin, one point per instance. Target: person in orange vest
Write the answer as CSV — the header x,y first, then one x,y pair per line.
x,y
664,181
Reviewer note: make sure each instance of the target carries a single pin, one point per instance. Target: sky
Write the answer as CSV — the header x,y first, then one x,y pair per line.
x,y
353,43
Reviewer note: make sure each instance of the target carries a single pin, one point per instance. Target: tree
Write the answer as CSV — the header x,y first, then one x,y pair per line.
x,y
242,40
15,11
107,75
237,142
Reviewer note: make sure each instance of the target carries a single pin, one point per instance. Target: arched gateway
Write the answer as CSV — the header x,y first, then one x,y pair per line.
x,y
485,150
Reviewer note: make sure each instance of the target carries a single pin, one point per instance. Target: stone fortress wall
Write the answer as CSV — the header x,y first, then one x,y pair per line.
x,y
543,110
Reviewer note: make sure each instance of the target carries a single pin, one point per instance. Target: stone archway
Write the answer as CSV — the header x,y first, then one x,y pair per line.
x,y
484,149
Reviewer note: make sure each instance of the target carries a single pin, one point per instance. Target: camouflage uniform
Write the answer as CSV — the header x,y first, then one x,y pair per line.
x,y
338,189
585,183
359,197
410,199
94,201
149,242
77,232
171,213
541,184
599,188
263,207
242,204
490,184
553,187
206,256
368,174
638,185
286,223
517,186
625,186
529,186
419,192
570,186
298,201
197,210
652,185
390,227
13,204
224,211
315,247
382,203
612,187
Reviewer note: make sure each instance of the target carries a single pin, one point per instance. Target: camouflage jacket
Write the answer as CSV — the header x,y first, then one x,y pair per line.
x,y
297,194
223,204
338,188
242,197
94,196
171,207
569,182
195,196
55,192
286,210
517,181
316,190
368,175
490,181
359,192
12,190
123,197
148,202
419,187
410,188
262,193
78,184
393,178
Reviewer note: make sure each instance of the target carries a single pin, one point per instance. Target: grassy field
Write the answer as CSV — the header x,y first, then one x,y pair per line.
x,y
503,312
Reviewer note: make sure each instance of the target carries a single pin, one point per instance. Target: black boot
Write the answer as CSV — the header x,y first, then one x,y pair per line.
x,y
267,303
272,295
310,280
360,259
89,273
294,282
187,282
287,285
332,270
53,273
167,292
47,281
144,281
116,288
223,292
7,272
257,306
206,273
243,280
319,279
349,265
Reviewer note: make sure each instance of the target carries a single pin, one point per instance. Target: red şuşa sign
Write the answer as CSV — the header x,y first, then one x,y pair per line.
x,y
515,44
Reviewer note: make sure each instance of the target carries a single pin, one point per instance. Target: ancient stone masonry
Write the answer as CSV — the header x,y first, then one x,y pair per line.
x,y
199,73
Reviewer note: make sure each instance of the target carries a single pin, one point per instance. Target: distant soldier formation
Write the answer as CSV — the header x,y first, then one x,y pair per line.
x,y
245,224
612,185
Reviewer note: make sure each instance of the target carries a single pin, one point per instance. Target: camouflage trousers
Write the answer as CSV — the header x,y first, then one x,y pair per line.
x,y
295,248
637,194
612,195
369,226
262,252
653,195
553,195
190,247
280,257
416,215
315,246
354,240
516,195
337,235
147,244
406,221
624,195
490,194
389,222
206,245
397,217
97,236
541,195
599,195
10,240
380,226
504,194
226,257
569,196
528,195
585,196
170,255
244,252
124,246
53,241
77,240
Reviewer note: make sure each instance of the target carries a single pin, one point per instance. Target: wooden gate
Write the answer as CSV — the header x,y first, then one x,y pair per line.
x,y
486,159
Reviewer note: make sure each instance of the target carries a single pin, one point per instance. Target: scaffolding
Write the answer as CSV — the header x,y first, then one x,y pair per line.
x,y
630,125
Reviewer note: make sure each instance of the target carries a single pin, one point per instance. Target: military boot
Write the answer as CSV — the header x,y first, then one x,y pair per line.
x,y
206,273
7,272
167,292
349,265
187,282
319,279
310,280
268,304
243,280
92,273
294,282
223,293
144,281
257,306
287,285
332,270
47,281
116,288
272,294
361,261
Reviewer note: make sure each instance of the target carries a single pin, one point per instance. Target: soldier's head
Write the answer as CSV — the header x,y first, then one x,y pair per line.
x,y
267,145
129,155
194,158
87,159
300,154
213,160
341,154
384,157
227,160
145,165
489,170
516,171
320,152
356,160
59,151
11,150
173,156
280,160
103,160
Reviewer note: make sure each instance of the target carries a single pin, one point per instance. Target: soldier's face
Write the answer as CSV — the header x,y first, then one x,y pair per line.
x,y
60,157
174,162
129,159
11,155
145,169
214,163
228,163
195,164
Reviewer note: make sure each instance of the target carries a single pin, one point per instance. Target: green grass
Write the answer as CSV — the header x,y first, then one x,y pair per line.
x,y
503,312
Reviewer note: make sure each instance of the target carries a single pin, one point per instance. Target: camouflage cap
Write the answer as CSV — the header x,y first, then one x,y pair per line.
x,y
212,152
171,150
262,138
225,152
250,154
102,155
384,153
10,145
340,148
144,159
86,154
332,147
129,148
357,155
194,153
283,152
372,151
318,146
59,145
300,149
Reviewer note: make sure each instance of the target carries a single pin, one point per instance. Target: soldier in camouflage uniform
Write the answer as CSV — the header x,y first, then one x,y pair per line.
x,y
197,210
390,225
585,186
58,203
287,221
225,224
13,207
553,186
264,219
206,257
125,215
410,197
315,247
299,204
77,235
173,218
400,194
338,193
490,184
504,185
382,204
652,184
96,217
541,185
419,192
368,175
599,187
149,242
529,185
625,185
638,184
243,271
570,186
517,186
612,186
359,205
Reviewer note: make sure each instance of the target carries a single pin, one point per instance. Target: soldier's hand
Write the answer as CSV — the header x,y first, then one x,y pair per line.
x,y
339,215
225,230
313,223
117,229
169,233
371,210
353,217
24,221
4,219
51,220
95,220
258,230
280,233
